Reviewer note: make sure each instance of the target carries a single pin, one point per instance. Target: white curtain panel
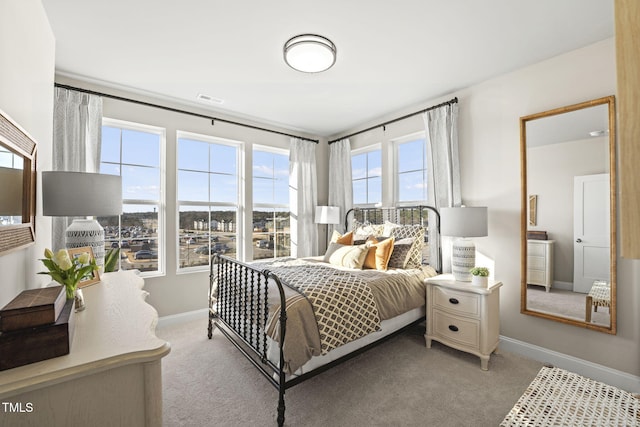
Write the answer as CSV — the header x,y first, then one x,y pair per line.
x,y
340,185
303,196
77,135
441,125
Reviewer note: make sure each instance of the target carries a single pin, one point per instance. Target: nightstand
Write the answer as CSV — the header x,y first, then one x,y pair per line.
x,y
463,316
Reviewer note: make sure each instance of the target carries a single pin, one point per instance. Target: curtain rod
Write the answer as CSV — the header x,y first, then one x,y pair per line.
x,y
451,101
175,110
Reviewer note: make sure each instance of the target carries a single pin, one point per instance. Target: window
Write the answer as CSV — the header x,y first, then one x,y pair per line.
x,y
11,166
411,167
134,151
366,175
207,199
271,223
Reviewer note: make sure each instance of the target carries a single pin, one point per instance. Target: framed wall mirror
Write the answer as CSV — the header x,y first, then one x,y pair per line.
x,y
18,194
568,250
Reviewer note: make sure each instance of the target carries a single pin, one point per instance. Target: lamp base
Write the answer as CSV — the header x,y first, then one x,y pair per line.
x,y
87,232
463,259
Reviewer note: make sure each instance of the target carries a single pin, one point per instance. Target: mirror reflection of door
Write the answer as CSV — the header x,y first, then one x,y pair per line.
x,y
591,231
568,164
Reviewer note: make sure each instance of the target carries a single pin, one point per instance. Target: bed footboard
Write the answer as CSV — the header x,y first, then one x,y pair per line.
x,y
238,307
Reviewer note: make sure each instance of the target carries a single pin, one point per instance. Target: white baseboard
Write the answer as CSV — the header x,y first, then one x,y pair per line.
x,y
174,319
619,379
567,286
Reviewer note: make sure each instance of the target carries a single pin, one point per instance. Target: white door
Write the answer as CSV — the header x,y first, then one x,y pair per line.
x,y
590,230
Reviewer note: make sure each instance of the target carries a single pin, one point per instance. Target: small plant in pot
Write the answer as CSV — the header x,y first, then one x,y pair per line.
x,y
480,276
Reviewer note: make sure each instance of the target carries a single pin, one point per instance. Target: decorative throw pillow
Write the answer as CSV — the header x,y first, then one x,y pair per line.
x,y
346,255
388,226
415,232
400,254
379,253
343,239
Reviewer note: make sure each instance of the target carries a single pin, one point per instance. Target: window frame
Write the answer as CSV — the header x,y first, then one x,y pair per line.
x,y
239,231
161,203
273,150
396,168
366,150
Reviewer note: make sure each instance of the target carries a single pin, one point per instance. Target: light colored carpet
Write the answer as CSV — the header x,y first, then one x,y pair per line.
x,y
564,303
399,383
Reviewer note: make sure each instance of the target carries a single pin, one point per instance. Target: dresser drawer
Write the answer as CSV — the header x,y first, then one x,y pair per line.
x,y
536,263
536,277
456,302
536,249
456,329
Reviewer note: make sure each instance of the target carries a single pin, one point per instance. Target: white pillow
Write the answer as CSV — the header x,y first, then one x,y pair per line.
x,y
346,255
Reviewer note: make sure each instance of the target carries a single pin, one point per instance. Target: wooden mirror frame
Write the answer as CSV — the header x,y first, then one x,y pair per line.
x,y
17,140
610,101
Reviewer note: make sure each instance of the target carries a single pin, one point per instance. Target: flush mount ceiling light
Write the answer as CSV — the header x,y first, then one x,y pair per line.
x,y
310,53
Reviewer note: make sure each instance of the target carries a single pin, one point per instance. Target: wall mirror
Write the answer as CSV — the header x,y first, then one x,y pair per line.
x,y
568,215
18,194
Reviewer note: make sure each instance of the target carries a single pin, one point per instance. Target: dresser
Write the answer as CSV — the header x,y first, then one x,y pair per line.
x,y
112,375
463,316
540,263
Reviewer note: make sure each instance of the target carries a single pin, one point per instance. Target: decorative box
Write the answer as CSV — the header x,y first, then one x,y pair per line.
x,y
31,345
537,235
33,307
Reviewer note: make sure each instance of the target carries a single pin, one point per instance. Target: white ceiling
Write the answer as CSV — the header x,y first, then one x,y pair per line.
x,y
391,55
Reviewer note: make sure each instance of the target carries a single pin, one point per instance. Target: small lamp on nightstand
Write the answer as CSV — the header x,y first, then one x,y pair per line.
x,y
327,215
78,194
463,222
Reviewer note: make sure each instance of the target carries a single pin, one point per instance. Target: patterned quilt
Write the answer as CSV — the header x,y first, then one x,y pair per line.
x,y
343,304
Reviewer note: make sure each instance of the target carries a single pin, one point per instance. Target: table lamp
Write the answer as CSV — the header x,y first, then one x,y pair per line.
x,y
327,215
82,194
462,223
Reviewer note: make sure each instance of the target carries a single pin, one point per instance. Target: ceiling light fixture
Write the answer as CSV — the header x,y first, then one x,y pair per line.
x,y
310,53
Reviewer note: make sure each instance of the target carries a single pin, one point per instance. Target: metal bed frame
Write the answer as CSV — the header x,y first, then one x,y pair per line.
x,y
242,311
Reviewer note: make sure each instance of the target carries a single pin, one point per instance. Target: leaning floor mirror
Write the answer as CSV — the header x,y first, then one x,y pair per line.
x,y
568,215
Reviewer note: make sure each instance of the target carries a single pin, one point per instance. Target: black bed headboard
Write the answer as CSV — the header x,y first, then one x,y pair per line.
x,y
404,215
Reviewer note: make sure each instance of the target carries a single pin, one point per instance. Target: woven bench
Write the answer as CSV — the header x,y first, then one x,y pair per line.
x,y
560,398
599,296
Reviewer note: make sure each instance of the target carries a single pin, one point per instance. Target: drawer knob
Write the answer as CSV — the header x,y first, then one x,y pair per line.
x,y
453,301
453,328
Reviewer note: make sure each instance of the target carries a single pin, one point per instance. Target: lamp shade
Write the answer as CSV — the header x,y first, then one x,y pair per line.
x,y
463,221
327,215
81,194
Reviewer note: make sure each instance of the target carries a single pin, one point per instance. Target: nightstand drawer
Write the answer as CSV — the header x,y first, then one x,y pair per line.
x,y
536,262
536,249
536,277
456,302
453,328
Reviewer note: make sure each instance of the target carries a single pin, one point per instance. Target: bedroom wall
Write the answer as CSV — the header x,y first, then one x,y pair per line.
x,y
27,64
489,139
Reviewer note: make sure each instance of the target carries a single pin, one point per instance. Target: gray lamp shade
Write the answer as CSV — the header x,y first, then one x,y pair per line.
x,y
463,221
81,194
327,215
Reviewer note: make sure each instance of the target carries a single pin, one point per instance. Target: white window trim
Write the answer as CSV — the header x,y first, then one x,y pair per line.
x,y
266,149
396,182
239,145
162,203
367,149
